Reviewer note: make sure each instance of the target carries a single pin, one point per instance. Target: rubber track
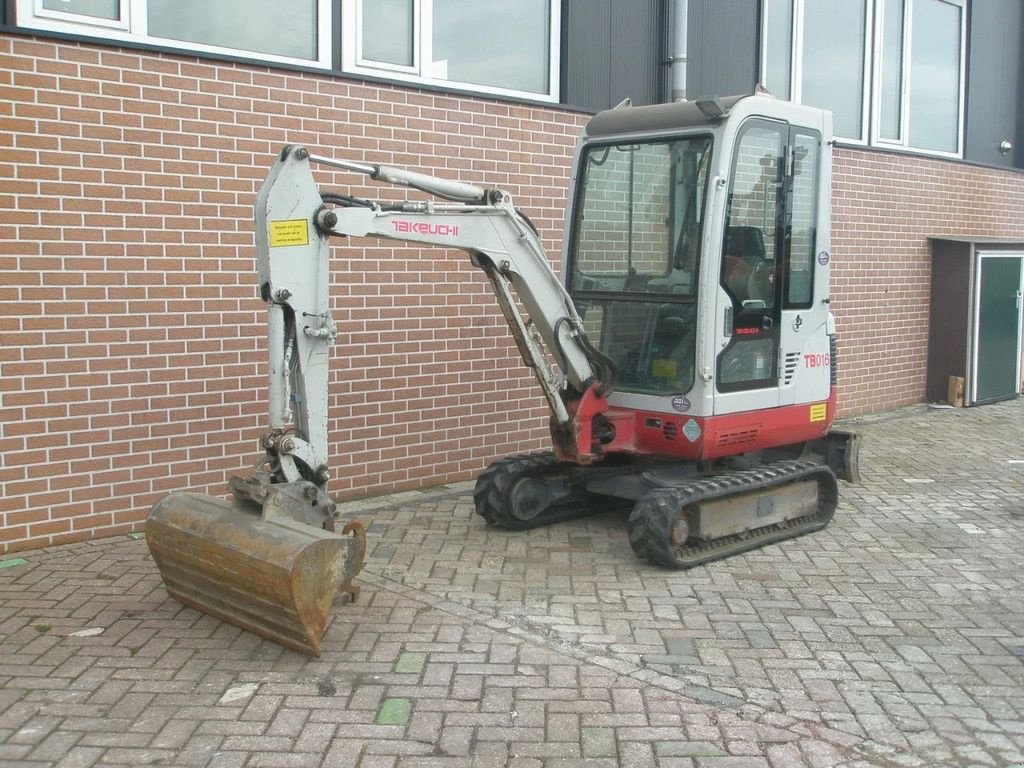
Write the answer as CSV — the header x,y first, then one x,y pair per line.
x,y
652,517
490,496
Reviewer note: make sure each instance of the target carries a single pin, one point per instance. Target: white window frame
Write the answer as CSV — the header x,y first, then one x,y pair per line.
x,y
356,28
903,142
796,64
352,61
871,107
133,27
73,18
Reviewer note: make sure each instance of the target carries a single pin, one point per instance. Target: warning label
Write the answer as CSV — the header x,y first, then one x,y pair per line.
x,y
819,412
665,369
289,232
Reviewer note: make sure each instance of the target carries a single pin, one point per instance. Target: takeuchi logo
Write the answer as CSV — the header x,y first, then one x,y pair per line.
x,y
424,228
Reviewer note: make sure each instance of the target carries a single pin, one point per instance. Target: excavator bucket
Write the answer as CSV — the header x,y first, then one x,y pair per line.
x,y
267,573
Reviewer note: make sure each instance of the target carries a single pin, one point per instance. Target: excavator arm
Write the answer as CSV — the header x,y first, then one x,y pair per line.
x,y
270,560
294,221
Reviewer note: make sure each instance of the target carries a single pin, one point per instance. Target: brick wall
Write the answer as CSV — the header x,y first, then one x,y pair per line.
x,y
132,342
884,207
132,359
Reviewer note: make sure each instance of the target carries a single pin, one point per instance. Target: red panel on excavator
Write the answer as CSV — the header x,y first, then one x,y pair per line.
x,y
714,437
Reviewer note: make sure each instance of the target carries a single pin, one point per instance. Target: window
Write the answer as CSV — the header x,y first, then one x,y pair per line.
x,y
623,231
106,12
833,62
919,97
640,217
750,255
768,247
821,59
752,216
801,220
501,46
266,29
396,48
891,71
255,28
778,45
635,255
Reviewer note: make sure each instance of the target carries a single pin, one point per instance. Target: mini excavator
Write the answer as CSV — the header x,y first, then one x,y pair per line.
x,y
687,355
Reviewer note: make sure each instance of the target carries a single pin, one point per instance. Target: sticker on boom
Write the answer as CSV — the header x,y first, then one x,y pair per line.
x,y
425,228
819,412
289,232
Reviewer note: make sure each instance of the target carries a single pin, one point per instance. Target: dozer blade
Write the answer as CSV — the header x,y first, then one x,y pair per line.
x,y
271,575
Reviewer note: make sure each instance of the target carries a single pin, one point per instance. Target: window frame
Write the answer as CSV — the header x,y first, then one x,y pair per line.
x,y
353,63
578,200
39,12
903,143
133,27
871,107
796,63
356,45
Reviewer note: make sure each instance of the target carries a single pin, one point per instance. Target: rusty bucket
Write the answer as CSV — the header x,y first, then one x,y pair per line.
x,y
270,575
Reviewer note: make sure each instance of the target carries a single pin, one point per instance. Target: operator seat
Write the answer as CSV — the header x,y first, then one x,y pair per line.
x,y
744,250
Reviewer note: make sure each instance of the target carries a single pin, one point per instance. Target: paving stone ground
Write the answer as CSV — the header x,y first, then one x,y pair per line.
x,y
895,637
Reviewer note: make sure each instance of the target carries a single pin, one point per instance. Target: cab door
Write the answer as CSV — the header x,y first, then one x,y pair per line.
x,y
774,346
805,353
749,312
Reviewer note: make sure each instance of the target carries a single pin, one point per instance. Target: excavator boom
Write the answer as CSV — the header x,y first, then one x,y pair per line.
x,y
270,560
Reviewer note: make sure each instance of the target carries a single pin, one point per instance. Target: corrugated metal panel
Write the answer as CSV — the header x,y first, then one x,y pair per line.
x,y
613,49
995,108
586,40
722,47
637,52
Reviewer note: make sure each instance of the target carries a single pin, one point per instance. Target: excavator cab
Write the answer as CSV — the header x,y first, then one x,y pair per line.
x,y
707,224
697,252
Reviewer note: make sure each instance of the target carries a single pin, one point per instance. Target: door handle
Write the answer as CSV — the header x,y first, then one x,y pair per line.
x,y
767,323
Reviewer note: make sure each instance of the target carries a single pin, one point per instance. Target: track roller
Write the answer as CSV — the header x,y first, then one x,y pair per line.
x,y
688,525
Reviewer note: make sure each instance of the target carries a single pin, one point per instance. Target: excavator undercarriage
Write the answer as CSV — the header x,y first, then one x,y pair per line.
x,y
681,515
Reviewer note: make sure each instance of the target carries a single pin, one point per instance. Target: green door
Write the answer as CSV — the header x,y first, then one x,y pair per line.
x,y
997,360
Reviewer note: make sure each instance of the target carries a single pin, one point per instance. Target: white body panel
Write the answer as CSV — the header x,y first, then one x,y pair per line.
x,y
803,334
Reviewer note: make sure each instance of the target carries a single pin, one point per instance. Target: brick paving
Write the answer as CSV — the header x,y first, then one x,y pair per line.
x,y
895,637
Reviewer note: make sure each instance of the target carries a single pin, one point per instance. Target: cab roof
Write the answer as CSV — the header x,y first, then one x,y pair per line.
x,y
652,119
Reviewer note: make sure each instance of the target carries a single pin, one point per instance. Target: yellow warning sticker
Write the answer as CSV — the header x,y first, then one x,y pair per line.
x,y
289,232
819,412
662,368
